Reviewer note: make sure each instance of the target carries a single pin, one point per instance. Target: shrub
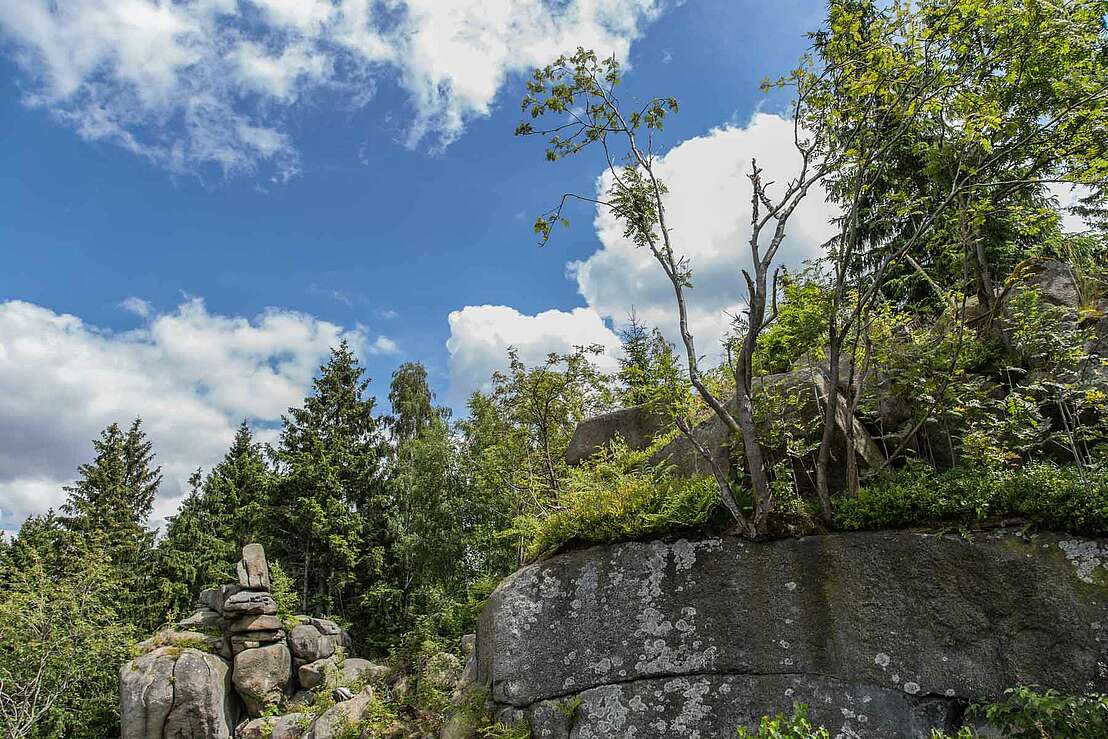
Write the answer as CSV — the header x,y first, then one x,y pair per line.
x,y
620,497
1026,713
1053,496
782,727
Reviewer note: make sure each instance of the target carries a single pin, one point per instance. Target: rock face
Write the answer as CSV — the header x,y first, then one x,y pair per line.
x,y
177,694
883,634
253,570
262,676
174,690
636,425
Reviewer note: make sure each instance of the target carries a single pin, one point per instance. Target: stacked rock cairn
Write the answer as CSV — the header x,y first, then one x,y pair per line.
x,y
247,660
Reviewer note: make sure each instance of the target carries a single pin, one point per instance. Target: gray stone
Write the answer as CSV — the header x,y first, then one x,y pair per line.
x,y
468,643
883,634
336,718
289,726
255,639
1055,282
314,674
262,675
249,602
309,645
636,425
255,728
204,618
253,570
183,638
255,623
324,626
354,669
172,693
213,598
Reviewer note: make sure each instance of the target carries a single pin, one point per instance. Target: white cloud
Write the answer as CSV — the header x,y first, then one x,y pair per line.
x,y
708,208
138,306
383,345
202,83
1068,196
190,374
481,334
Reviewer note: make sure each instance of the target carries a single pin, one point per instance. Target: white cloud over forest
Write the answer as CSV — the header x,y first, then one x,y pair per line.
x,y
191,375
708,208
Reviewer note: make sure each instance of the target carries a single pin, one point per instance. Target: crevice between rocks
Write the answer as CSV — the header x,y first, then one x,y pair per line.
x,y
910,697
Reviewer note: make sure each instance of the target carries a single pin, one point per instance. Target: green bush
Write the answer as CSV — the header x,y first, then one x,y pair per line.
x,y
782,727
1065,498
1026,713
619,497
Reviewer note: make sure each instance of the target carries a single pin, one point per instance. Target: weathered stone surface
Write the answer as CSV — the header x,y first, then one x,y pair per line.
x,y
204,618
250,602
354,668
213,598
324,626
334,719
309,645
183,638
636,425
289,726
314,674
255,623
261,676
255,639
176,694
884,634
253,570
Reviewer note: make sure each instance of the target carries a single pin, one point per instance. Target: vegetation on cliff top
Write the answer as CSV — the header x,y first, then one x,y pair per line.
x,y
935,126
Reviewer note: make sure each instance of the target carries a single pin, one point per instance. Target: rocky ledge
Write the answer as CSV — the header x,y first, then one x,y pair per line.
x,y
883,634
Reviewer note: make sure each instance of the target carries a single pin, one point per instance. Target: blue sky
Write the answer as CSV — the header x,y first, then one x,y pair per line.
x,y
149,270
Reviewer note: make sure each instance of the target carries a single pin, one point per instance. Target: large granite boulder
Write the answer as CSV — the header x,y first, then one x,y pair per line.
x,y
309,645
636,425
336,719
261,676
173,693
883,634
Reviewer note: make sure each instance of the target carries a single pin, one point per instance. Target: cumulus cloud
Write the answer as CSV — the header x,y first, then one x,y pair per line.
x,y
1069,196
481,334
708,208
203,83
190,374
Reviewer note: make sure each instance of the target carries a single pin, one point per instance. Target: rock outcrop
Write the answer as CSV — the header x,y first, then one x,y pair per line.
x,y
177,694
233,656
636,425
883,634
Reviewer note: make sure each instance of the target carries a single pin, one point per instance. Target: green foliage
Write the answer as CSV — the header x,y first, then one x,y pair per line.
x,y
800,329
617,496
221,513
109,504
515,441
331,520
282,588
62,640
1064,498
1027,712
781,727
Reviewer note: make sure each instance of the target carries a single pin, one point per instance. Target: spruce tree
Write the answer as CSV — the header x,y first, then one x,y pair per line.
x,y
332,520
222,512
108,507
